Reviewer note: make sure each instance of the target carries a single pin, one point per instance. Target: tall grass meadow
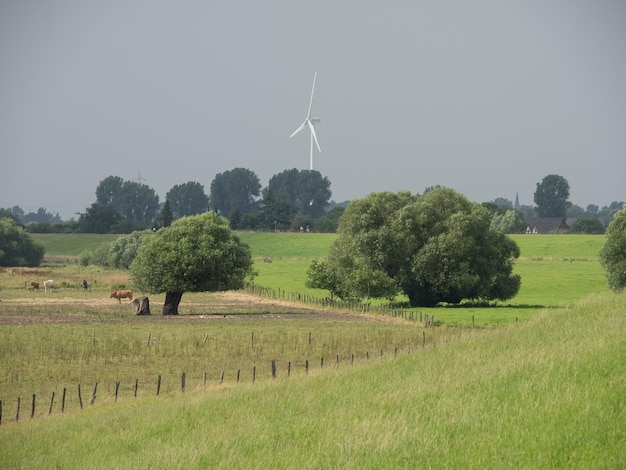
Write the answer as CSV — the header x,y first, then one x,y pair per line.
x,y
535,382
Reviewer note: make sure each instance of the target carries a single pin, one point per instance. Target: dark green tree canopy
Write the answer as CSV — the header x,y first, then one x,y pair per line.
x,y
511,221
166,217
589,225
613,253
552,196
187,199
435,248
278,210
194,254
141,203
16,247
10,214
136,202
42,216
117,254
235,190
109,191
330,221
306,190
99,218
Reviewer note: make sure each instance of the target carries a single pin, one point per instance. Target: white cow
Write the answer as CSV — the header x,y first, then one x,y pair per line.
x,y
48,285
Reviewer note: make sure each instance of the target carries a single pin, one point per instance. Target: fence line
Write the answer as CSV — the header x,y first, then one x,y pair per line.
x,y
390,309
271,373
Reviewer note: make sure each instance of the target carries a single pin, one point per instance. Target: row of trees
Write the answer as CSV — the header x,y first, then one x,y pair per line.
x,y
293,196
434,248
292,199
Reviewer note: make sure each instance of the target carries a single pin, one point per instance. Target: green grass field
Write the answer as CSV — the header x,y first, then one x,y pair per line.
x,y
556,270
540,382
71,244
546,393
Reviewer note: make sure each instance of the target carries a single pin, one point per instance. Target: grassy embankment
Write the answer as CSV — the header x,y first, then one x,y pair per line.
x,y
546,393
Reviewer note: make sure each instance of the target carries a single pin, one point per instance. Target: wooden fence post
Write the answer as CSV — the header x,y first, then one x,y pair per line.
x,y
117,389
63,400
51,403
93,396
222,378
273,369
158,385
288,369
0,412
204,380
136,386
306,366
253,374
17,412
32,407
80,399
238,374
182,382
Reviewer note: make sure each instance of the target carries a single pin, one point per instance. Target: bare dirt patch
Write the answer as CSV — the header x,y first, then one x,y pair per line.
x,y
59,308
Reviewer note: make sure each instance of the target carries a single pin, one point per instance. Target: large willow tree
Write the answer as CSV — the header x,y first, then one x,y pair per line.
x,y
613,253
195,254
434,248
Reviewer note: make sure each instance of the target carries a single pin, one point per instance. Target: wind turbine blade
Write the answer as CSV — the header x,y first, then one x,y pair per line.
x,y
302,126
308,115
312,127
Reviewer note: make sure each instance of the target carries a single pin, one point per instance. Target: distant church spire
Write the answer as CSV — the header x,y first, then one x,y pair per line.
x,y
516,205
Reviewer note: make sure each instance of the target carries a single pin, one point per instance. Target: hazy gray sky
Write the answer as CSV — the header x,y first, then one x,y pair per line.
x,y
486,97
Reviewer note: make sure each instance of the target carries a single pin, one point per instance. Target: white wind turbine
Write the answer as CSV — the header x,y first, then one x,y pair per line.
x,y
309,121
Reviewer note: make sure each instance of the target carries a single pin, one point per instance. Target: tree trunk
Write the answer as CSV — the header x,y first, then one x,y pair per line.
x,y
172,299
141,306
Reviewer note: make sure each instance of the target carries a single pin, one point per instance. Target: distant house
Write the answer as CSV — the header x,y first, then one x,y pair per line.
x,y
548,224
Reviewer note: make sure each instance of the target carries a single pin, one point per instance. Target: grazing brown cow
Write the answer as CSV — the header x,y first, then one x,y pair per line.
x,y
122,294
33,286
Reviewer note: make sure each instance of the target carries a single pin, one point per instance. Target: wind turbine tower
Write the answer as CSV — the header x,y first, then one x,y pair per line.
x,y
310,123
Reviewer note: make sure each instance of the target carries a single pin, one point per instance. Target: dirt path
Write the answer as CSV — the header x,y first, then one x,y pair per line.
x,y
218,306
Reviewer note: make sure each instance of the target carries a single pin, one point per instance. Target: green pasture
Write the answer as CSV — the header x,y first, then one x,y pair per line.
x,y
282,246
77,345
71,244
549,392
559,247
539,382
556,270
